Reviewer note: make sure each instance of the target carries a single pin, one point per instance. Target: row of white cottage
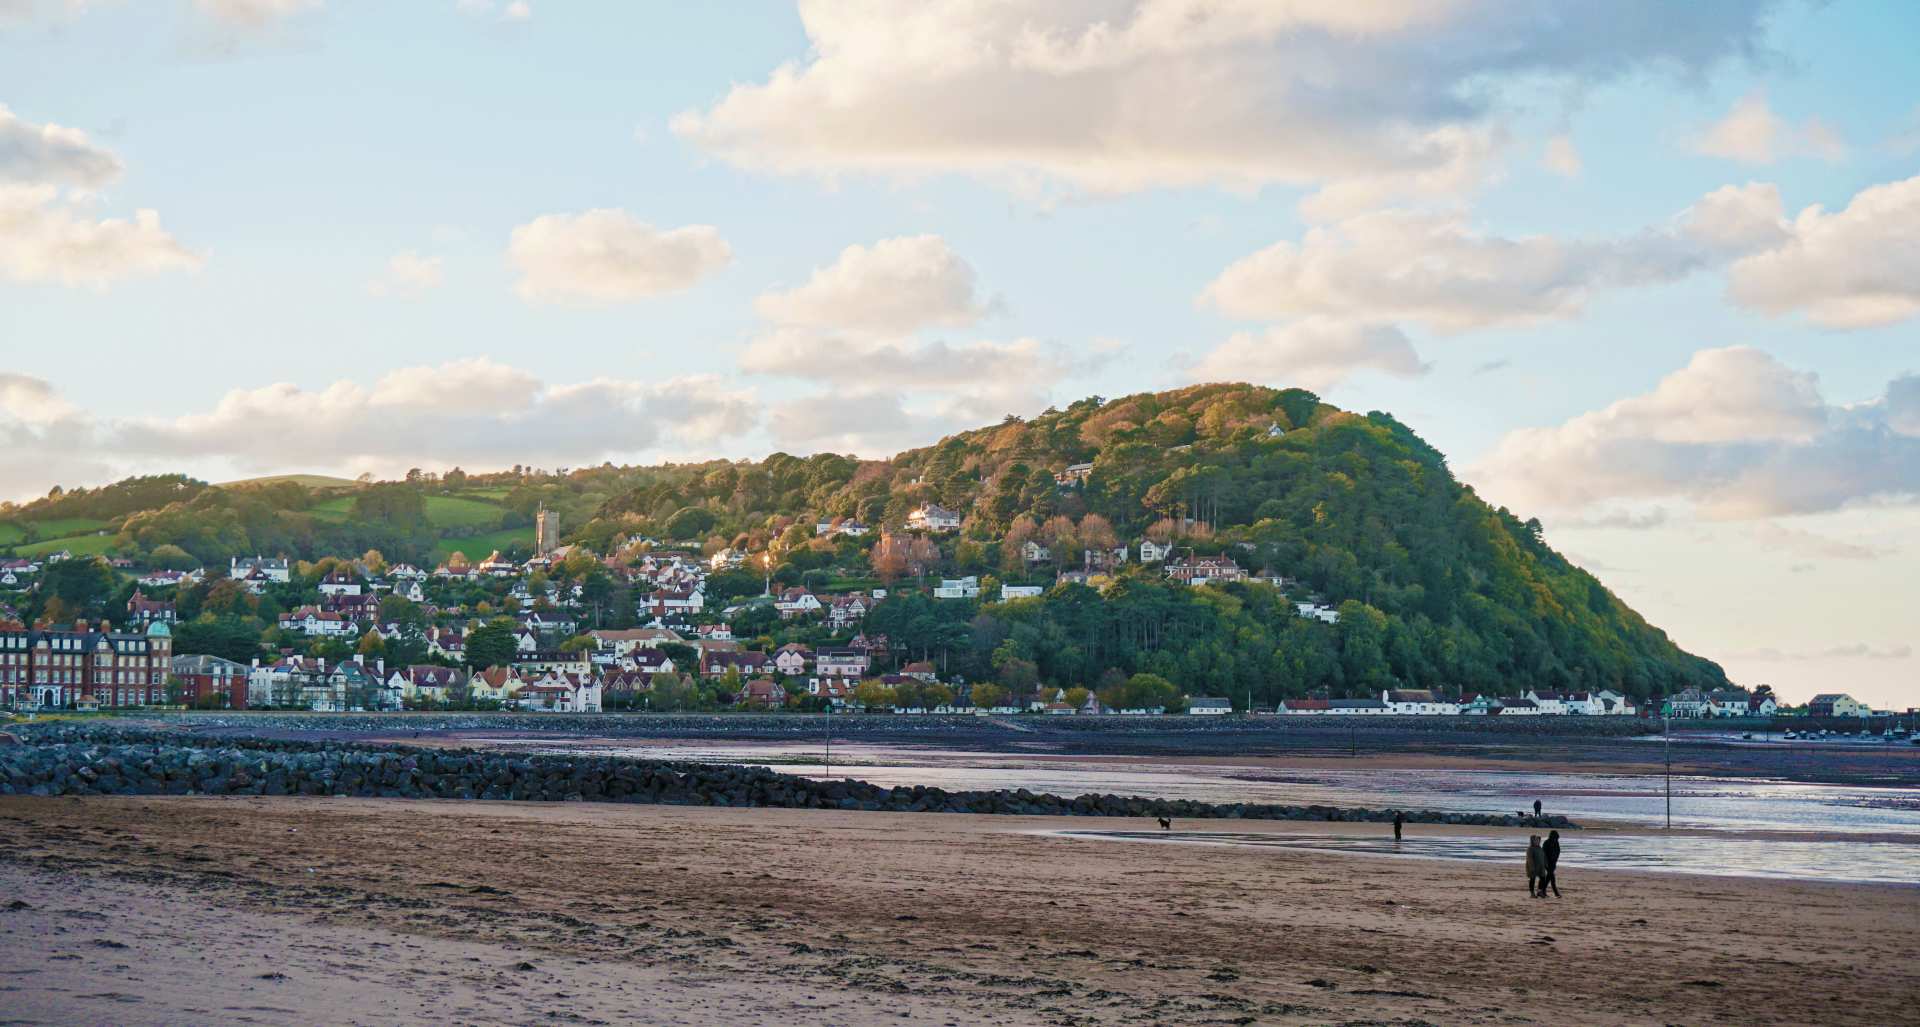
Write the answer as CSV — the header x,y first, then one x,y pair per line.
x,y
1423,702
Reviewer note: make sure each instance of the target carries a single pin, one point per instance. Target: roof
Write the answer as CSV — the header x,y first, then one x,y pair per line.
x,y
1828,697
1209,702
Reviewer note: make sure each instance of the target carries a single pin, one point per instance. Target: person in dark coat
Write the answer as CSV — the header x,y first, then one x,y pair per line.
x,y
1536,866
1550,856
1536,807
1399,819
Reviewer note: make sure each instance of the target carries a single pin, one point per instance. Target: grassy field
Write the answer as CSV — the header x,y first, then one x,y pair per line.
x,y
61,527
477,547
334,510
10,533
453,513
447,513
78,545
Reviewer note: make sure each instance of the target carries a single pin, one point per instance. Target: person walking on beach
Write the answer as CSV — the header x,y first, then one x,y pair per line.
x,y
1536,867
1550,862
1399,819
1536,807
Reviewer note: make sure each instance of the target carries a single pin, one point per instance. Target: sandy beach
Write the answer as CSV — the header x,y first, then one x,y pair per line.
x,y
254,910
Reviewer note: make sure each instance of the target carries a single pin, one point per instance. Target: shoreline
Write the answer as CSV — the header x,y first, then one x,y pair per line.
x,y
828,917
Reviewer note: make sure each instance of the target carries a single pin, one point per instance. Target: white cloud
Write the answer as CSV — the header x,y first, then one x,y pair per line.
x,y
1753,134
254,14
29,400
1735,432
895,287
860,326
46,239
408,274
1377,99
48,232
475,412
40,154
1436,269
1314,353
1856,268
1561,157
1806,543
609,256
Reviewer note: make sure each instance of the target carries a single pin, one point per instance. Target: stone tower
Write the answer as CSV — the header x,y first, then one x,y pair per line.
x,y
546,531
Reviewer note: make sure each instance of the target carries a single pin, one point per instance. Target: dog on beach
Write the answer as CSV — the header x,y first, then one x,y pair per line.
x,y
1165,824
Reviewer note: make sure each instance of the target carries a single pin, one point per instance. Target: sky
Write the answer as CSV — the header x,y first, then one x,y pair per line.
x,y
1648,272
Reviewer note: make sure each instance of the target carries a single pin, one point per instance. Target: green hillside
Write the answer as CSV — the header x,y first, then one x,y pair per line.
x,y
1354,512
1434,586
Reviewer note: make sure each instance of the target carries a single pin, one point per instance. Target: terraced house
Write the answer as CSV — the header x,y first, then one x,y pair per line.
x,y
84,666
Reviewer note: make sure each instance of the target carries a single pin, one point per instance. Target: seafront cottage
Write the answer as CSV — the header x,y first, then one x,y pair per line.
x,y
1208,706
1417,702
1835,704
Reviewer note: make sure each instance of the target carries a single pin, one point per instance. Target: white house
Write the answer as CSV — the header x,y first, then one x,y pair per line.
x,y
1154,552
1357,708
933,517
1689,703
1418,702
842,663
1549,703
797,602
1034,552
273,568
339,583
1209,706
1613,704
847,610
1728,702
560,693
1018,592
312,621
958,588
1318,611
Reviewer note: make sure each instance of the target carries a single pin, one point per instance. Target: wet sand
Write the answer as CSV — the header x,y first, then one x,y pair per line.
x,y
374,911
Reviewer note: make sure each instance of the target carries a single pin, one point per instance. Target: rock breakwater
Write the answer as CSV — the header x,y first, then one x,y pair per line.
x,y
66,760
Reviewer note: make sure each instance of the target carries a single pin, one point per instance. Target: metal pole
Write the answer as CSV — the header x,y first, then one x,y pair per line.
x,y
1668,743
829,736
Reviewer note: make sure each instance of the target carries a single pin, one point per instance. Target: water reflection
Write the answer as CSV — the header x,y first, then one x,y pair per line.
x,y
1878,862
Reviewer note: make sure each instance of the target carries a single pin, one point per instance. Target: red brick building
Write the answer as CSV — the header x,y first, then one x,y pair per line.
x,y
86,665
211,681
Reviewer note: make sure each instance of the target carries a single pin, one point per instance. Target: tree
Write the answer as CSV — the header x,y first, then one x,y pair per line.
x,y
372,646
82,584
873,694
167,556
988,695
1076,697
492,644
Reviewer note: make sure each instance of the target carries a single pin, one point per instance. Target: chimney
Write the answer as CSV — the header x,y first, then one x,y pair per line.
x,y
380,666
80,625
106,627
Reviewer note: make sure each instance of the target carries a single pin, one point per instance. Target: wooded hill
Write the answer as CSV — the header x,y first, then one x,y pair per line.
x,y
1435,587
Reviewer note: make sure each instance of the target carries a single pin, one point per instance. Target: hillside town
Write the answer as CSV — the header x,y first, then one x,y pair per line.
x,y
527,634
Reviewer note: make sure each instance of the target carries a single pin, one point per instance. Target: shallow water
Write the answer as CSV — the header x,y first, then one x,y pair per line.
x,y
1878,862
1699,803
